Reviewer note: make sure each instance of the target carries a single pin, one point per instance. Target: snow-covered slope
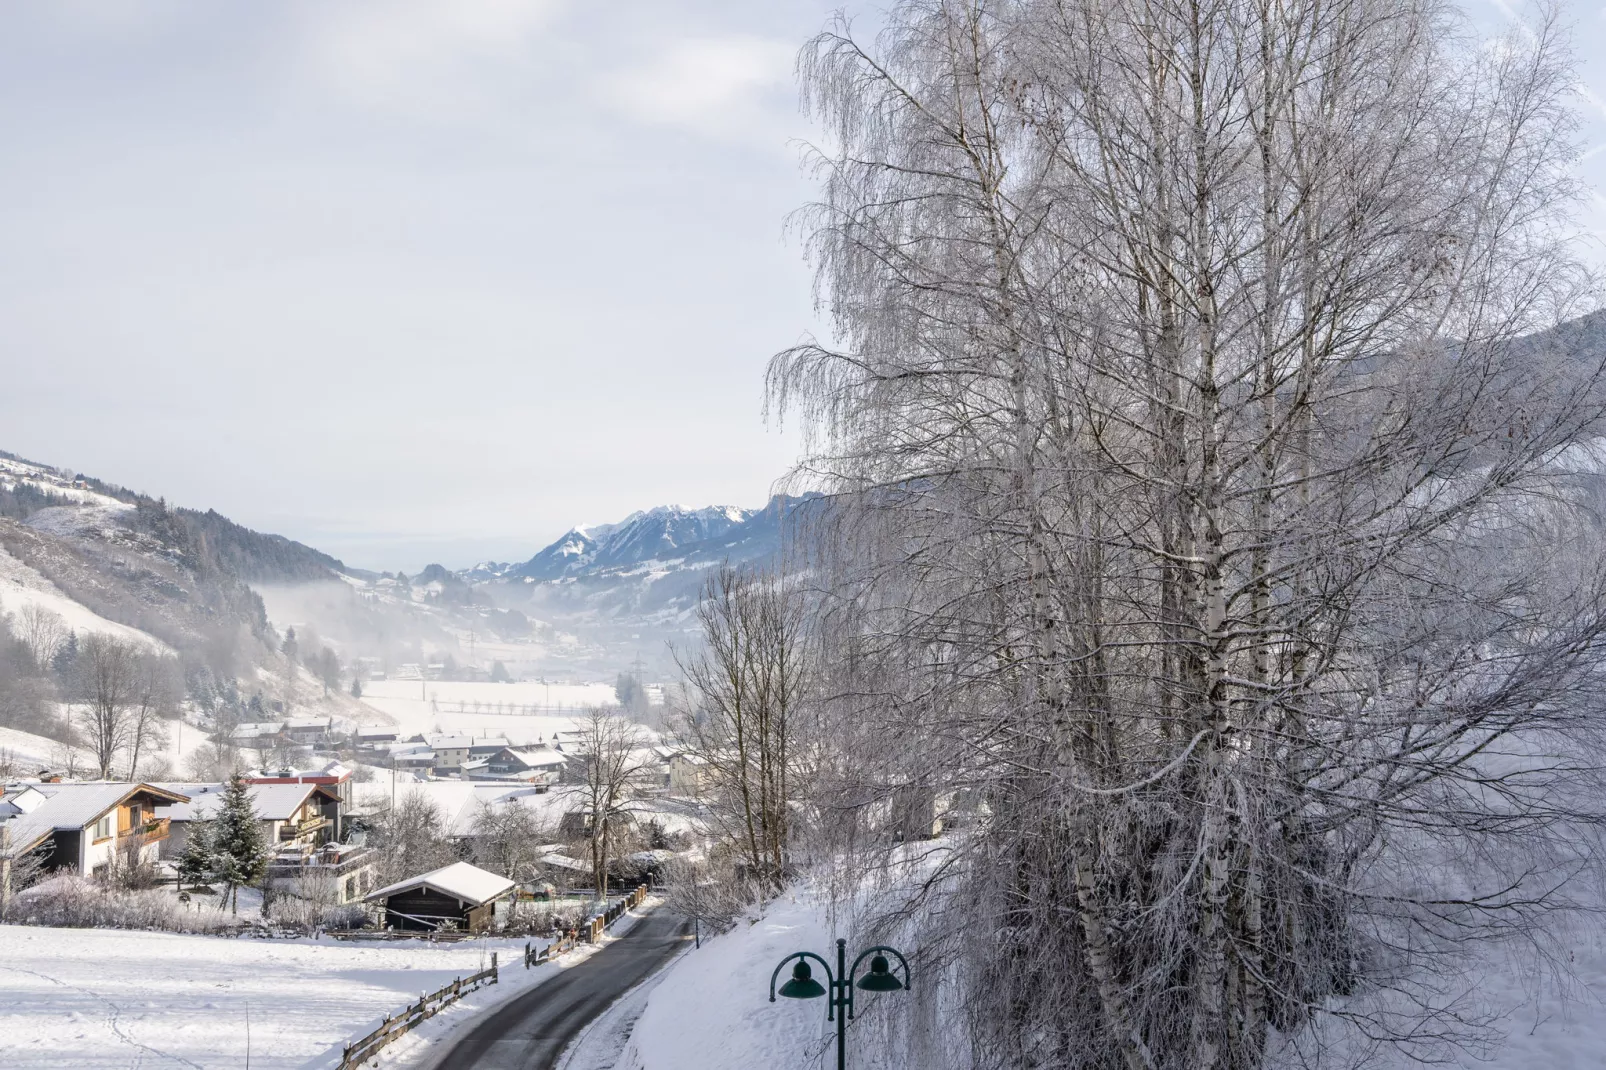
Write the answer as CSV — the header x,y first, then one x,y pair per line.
x,y
712,1009
654,534
22,586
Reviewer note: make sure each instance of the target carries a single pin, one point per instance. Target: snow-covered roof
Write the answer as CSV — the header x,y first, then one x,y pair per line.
x,y
448,741
377,732
309,722
272,802
258,728
561,861
461,881
536,757
67,806
461,802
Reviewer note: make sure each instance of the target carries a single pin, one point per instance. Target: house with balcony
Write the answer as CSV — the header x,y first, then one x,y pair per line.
x,y
84,827
295,817
334,873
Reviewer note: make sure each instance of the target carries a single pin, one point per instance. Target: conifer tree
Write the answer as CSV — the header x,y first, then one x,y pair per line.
x,y
239,850
196,863
356,685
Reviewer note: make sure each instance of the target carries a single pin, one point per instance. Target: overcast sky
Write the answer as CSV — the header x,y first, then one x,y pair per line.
x,y
417,280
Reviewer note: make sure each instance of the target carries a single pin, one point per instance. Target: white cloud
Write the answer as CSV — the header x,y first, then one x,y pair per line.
x,y
721,86
437,58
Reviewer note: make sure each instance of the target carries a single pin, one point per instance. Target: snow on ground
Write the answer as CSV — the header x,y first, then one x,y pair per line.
x,y
26,753
712,1009
422,705
21,585
98,998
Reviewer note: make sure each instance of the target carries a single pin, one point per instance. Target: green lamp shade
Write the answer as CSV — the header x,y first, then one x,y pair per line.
x,y
880,978
802,985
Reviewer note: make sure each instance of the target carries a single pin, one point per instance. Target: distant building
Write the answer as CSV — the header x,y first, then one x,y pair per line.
x,y
527,765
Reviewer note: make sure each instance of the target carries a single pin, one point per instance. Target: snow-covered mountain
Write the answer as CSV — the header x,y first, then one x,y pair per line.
x,y
650,535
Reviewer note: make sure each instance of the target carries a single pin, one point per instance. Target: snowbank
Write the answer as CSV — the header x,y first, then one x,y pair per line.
x,y
712,1008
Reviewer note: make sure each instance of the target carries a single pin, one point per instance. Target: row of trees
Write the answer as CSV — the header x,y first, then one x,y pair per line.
x,y
1207,507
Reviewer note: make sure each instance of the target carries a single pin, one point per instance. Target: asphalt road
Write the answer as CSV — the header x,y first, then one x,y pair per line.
x,y
531,1030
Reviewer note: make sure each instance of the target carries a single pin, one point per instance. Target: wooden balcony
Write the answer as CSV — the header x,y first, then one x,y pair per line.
x,y
157,828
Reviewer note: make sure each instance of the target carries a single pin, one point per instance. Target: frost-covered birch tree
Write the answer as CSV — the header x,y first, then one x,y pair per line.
x,y
1216,505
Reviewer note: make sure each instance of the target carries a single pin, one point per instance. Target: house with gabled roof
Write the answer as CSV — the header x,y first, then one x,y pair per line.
x,y
459,896
295,817
82,827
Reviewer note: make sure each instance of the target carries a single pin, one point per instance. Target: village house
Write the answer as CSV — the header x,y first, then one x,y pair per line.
x,y
458,896
308,730
451,751
294,817
688,773
82,828
258,735
336,872
538,765
335,775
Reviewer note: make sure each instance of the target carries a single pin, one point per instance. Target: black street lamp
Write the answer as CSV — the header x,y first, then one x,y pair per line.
x,y
839,1007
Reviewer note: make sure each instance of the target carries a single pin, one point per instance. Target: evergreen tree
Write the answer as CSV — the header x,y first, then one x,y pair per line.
x,y
356,685
289,648
239,849
196,864
66,656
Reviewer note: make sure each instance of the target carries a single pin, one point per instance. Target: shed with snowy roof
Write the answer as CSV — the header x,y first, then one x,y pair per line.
x,y
457,896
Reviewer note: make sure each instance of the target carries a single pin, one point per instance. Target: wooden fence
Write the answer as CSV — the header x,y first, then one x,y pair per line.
x,y
590,932
360,1051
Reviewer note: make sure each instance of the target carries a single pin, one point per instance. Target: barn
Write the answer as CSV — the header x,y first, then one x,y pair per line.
x,y
458,896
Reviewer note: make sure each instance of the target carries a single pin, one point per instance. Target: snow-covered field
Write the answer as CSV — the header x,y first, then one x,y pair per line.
x,y
97,998
483,708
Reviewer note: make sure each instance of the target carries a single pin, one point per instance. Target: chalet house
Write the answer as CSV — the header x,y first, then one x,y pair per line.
x,y
294,817
335,776
373,735
457,896
81,828
527,765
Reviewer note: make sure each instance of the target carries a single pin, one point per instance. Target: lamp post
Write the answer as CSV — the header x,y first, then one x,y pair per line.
x,y
839,985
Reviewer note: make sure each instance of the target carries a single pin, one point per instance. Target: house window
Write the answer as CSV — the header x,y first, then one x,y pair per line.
x,y
103,828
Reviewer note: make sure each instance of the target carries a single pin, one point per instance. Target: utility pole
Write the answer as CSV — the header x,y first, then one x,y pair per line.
x,y
5,871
